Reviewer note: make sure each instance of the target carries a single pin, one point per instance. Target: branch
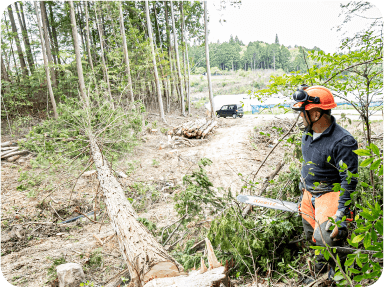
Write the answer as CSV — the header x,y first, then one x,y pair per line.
x,y
359,64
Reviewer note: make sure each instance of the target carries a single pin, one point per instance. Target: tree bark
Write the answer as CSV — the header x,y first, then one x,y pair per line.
x,y
88,39
125,50
159,97
16,37
186,60
171,80
207,58
78,56
54,34
47,42
178,61
53,101
105,69
80,13
24,32
4,72
12,52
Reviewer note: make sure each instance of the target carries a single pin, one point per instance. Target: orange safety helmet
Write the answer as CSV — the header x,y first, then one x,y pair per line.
x,y
313,97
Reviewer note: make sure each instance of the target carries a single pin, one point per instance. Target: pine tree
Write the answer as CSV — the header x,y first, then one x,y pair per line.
x,y
277,40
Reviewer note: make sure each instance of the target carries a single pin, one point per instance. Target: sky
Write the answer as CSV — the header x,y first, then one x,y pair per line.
x,y
305,23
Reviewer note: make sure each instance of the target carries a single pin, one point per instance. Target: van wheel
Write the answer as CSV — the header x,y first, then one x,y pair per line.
x,y
218,115
234,116
240,116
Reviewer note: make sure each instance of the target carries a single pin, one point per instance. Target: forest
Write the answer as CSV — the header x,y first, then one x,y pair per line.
x,y
118,62
234,55
102,177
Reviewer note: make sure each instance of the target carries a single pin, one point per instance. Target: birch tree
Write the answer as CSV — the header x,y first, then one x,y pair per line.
x,y
49,85
159,97
178,61
207,58
125,50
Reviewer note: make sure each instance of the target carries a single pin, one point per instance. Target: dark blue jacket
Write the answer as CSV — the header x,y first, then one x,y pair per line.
x,y
337,143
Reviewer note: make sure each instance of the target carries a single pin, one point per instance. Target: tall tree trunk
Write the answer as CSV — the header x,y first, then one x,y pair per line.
x,y
80,13
78,56
4,72
88,38
53,101
16,37
47,24
186,60
105,69
178,61
24,32
125,50
207,58
54,34
171,80
47,43
159,97
12,52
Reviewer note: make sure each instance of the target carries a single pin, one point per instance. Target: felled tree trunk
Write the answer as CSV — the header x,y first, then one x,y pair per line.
x,y
145,257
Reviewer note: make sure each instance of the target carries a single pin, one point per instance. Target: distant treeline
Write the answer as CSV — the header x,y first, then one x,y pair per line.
x,y
234,55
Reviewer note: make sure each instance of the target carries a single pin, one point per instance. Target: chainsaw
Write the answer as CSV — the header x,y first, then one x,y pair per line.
x,y
277,204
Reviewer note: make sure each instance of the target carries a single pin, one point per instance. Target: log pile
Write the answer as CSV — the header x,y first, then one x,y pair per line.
x,y
11,152
194,129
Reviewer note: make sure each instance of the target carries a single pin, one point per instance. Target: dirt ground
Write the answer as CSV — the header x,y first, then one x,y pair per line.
x,y
30,249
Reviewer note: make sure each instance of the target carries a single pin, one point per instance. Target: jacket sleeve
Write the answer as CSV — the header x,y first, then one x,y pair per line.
x,y
343,151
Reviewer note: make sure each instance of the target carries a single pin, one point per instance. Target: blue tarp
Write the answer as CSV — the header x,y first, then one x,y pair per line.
x,y
257,108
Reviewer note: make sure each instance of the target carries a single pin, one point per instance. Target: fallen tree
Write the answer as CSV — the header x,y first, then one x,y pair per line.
x,y
145,257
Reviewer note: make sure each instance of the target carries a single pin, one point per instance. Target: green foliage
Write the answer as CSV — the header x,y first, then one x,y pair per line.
x,y
262,238
148,224
95,259
368,234
67,137
188,258
87,283
198,193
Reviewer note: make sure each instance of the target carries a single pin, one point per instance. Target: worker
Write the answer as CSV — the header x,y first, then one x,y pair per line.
x,y
327,149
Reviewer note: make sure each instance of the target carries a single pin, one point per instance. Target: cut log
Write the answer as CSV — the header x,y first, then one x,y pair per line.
x,y
209,128
3,149
145,257
13,158
6,144
203,127
196,125
14,153
215,275
9,151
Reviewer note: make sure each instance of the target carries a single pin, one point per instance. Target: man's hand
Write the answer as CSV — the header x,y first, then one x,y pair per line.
x,y
337,232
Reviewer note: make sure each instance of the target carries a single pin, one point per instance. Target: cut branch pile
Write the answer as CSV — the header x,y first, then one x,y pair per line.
x,y
194,129
11,152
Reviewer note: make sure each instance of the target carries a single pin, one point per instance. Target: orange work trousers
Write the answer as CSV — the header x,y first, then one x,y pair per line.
x,y
315,217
